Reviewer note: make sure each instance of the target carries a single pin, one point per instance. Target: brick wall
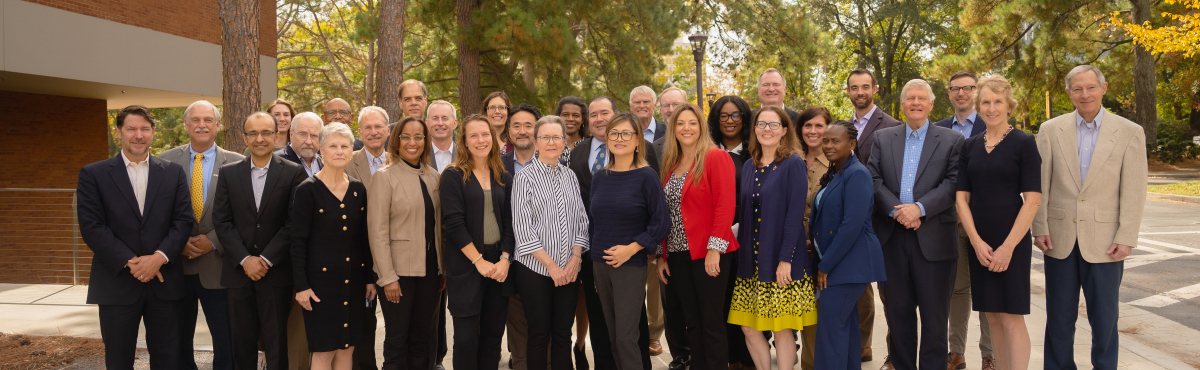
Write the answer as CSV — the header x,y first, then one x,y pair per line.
x,y
196,20
44,141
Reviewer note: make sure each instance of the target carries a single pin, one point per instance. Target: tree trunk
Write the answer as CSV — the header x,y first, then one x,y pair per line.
x,y
468,58
390,69
240,92
1144,101
1194,116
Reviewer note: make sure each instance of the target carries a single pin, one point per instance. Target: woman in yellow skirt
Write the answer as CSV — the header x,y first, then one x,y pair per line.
x,y
773,290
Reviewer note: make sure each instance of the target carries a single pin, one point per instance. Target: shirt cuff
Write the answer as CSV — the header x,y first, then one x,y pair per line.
x,y
269,264
164,254
892,213
922,206
717,244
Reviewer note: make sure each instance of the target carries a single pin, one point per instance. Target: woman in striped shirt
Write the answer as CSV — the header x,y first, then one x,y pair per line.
x,y
551,230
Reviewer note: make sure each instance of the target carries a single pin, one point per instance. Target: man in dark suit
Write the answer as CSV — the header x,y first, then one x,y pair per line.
x,y
585,158
201,158
669,100
642,102
252,205
962,97
772,88
915,168
338,110
135,214
303,150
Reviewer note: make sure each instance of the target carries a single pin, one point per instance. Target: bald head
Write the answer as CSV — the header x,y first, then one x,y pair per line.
x,y
337,110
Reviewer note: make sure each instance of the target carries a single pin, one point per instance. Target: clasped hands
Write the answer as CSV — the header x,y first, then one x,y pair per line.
x,y
255,267
197,246
564,276
908,215
145,268
496,271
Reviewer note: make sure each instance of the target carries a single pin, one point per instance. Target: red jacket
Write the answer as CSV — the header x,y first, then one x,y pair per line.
x,y
708,206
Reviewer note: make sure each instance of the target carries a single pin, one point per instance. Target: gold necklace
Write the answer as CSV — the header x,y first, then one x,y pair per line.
x,y
993,146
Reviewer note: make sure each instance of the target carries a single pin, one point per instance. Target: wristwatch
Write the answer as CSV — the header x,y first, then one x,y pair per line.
x,y
506,256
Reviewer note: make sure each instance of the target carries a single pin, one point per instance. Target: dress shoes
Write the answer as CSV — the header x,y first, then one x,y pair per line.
x,y
989,363
679,363
655,347
887,364
866,354
955,361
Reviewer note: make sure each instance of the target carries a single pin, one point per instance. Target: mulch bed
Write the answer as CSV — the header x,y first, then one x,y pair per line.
x,y
29,352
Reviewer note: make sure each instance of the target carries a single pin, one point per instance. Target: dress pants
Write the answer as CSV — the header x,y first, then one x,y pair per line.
x,y
216,314
408,324
260,312
550,313
518,330
442,347
808,345
960,304
837,327
1101,284
916,284
674,322
602,352
477,337
297,339
119,330
364,352
654,305
622,292
701,299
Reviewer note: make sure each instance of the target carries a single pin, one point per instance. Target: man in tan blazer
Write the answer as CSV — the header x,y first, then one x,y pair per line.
x,y
1093,194
373,131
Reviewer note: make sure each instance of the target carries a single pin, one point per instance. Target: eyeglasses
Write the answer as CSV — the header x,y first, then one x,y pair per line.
x,y
768,125
621,135
672,106
497,108
303,136
730,117
550,139
966,89
256,134
336,112
441,119
412,139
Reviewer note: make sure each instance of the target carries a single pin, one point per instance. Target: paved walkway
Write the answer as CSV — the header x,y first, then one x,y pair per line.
x,y
1174,176
60,310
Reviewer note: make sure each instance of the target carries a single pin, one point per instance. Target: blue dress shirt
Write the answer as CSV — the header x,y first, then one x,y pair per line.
x,y
914,141
1086,134
209,161
648,133
592,154
965,126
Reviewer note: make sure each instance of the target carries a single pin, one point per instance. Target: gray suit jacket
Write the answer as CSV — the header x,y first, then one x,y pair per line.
x,y
934,188
209,265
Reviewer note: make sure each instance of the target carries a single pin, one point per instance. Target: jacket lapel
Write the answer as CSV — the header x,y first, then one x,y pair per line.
x,y
120,177
1070,147
273,174
243,171
1106,141
932,140
153,181
897,155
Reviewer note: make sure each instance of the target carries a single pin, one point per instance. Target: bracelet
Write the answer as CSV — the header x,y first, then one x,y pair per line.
x,y
477,259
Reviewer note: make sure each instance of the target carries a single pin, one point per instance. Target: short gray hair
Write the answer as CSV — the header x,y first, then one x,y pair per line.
x,y
336,128
549,119
454,111
643,90
307,117
673,88
372,109
1084,68
917,83
187,113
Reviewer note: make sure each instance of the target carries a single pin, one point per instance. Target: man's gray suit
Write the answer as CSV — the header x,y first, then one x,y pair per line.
x,y
920,263
202,275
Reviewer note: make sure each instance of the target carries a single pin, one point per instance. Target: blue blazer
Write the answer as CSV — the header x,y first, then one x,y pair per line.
x,y
784,194
842,230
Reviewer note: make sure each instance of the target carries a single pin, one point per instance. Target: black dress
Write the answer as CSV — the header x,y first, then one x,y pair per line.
x,y
996,181
331,256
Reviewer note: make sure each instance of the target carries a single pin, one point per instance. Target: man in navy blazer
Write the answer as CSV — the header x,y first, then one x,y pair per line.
x,y
915,167
135,214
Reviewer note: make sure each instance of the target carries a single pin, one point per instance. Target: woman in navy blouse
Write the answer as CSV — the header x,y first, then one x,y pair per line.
x,y
629,219
848,253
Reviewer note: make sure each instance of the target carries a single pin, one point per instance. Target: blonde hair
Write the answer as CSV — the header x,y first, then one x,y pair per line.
x,y
465,161
997,84
673,150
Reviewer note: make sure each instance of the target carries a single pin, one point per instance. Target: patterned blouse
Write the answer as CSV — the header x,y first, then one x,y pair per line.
x,y
677,239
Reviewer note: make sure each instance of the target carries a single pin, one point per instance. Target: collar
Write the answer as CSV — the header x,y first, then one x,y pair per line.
x,y
869,114
545,167
596,143
822,160
264,168
974,117
1079,122
738,149
439,151
127,161
210,153
526,163
653,125
908,131
382,156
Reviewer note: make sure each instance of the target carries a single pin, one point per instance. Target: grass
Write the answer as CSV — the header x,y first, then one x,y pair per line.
x,y
1190,188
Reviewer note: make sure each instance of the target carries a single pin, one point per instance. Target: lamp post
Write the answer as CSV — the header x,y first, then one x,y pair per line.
x,y
698,40
711,97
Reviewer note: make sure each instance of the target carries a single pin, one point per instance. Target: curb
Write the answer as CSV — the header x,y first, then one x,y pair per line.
x,y
1173,197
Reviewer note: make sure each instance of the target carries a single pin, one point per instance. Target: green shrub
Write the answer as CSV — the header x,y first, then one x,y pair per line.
x,y
1175,142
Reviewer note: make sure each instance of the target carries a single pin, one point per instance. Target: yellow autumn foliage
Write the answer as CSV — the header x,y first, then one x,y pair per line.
x,y
1182,35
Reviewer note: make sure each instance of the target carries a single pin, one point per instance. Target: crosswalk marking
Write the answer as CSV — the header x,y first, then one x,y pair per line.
x,y
1169,298
1169,245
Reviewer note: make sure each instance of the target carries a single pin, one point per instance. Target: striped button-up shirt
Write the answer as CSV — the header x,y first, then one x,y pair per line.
x,y
548,215
1086,134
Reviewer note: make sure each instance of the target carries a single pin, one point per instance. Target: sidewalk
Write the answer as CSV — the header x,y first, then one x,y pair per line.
x,y
59,310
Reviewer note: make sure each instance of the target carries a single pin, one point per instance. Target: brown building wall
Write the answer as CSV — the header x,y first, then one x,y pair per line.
x,y
44,141
196,20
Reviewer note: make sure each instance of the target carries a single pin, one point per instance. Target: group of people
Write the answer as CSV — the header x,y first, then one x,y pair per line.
x,y
741,230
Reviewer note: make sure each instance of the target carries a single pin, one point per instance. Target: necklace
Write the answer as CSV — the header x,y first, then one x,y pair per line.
x,y
993,146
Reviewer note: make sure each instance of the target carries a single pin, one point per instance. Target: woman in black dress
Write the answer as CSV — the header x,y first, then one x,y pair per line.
x,y
331,259
1003,166
478,219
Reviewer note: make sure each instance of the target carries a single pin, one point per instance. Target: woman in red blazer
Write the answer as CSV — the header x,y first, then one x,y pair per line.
x,y
698,180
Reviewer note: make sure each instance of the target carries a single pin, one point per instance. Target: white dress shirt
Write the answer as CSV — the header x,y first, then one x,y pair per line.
x,y
258,180
441,158
139,175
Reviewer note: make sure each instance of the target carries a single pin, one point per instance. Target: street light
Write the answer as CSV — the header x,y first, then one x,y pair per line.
x,y
698,40
711,97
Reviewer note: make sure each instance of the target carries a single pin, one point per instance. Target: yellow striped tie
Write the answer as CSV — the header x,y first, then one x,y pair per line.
x,y
198,186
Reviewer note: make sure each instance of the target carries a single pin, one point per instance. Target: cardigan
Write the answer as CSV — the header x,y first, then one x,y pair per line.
x,y
780,240
396,220
708,207
463,219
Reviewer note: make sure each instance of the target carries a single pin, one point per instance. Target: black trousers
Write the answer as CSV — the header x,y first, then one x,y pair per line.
x,y
550,312
119,330
914,282
442,349
701,299
409,323
364,352
477,338
260,312
216,315
675,325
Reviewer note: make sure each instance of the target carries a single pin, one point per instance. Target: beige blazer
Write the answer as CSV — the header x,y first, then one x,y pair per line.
x,y
359,168
1104,209
396,220
210,264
